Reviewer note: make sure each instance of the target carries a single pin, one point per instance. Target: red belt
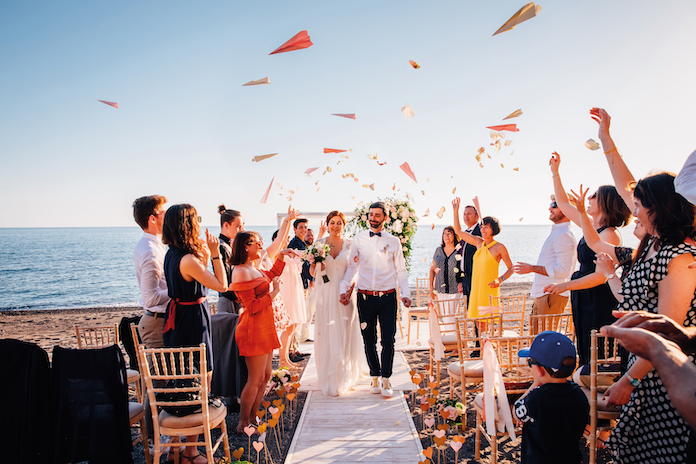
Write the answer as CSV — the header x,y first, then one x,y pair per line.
x,y
380,294
171,311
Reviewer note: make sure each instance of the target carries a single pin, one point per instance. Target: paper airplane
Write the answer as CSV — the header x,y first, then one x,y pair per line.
x,y
528,11
408,111
414,64
333,150
407,169
268,190
265,80
300,41
592,145
514,114
504,127
310,170
258,158
344,115
114,104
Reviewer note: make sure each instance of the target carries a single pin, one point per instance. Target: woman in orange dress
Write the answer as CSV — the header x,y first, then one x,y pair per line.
x,y
255,334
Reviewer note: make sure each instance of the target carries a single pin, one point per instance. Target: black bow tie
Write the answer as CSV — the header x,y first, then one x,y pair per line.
x,y
372,234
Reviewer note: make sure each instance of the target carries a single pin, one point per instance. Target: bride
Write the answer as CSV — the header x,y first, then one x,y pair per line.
x,y
338,345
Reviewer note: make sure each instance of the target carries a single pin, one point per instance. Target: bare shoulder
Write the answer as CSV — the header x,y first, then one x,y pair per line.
x,y
244,273
611,235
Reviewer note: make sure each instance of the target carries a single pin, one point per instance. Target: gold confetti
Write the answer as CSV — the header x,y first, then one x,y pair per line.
x,y
370,186
497,146
328,168
441,212
521,219
454,190
592,145
513,151
502,166
516,169
427,213
360,204
423,192
508,142
352,197
372,157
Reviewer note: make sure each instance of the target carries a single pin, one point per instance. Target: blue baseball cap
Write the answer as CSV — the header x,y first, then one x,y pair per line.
x,y
550,349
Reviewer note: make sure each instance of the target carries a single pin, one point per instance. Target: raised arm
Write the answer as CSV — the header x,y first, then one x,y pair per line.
x,y
562,201
475,200
455,210
623,179
194,268
277,244
594,241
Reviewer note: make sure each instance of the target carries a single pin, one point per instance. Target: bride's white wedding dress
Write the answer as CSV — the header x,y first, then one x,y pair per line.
x,y
338,344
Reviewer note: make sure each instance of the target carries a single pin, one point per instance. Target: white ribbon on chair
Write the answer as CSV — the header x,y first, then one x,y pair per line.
x,y
438,346
494,390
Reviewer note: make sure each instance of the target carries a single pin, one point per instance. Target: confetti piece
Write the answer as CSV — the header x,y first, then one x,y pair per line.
x,y
514,114
310,170
528,11
394,186
408,111
352,197
427,213
441,212
370,186
381,164
372,157
504,127
356,179
114,104
328,168
398,422
414,64
258,158
268,190
495,135
497,146
481,150
516,169
424,259
513,151
592,145
521,219
454,190
333,150
298,42
423,192
344,115
265,80
508,143
478,158
481,165
360,204
407,169
502,166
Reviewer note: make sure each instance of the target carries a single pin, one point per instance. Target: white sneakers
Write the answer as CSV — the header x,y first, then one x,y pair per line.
x,y
387,391
382,387
375,388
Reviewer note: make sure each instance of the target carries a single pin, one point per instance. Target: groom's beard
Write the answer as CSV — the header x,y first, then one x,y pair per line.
x,y
375,224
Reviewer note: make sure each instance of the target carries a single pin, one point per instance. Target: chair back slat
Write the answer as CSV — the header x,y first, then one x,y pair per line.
x,y
561,323
422,291
467,337
516,373
512,308
447,313
96,337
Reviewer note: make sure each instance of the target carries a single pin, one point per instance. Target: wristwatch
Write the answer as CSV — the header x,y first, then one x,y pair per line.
x,y
634,382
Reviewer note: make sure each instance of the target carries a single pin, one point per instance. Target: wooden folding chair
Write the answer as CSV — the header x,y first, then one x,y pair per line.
x,y
101,337
447,312
603,350
512,308
469,368
161,365
517,378
561,323
420,310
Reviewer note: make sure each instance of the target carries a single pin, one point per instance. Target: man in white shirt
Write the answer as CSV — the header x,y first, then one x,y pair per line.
x,y
148,213
555,264
376,257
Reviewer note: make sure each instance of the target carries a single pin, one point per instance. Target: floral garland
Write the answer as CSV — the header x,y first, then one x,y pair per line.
x,y
401,222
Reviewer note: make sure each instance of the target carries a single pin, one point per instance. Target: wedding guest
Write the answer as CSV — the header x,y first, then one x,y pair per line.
x,y
309,238
555,264
466,265
231,223
187,321
591,307
294,296
256,334
443,281
148,256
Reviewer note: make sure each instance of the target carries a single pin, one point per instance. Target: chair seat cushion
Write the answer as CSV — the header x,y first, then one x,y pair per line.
x,y
447,339
418,311
192,420
607,374
132,375
510,334
472,368
134,409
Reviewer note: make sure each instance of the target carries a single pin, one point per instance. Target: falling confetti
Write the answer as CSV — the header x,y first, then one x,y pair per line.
x,y
514,114
370,186
114,104
423,192
441,212
414,64
502,166
258,158
310,170
521,219
360,204
516,169
508,143
408,111
265,80
592,145
427,213
344,115
433,227
454,190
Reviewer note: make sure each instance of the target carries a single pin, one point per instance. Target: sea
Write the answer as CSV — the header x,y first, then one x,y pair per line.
x,y
65,268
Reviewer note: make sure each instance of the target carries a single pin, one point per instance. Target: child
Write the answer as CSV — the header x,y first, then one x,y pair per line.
x,y
554,410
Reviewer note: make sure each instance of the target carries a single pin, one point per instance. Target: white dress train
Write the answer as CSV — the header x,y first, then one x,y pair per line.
x,y
338,344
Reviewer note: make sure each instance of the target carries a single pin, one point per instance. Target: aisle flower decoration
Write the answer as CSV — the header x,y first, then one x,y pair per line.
x,y
401,222
316,254
451,411
279,378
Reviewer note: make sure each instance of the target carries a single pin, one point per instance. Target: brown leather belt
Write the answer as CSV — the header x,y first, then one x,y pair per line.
x,y
379,294
153,314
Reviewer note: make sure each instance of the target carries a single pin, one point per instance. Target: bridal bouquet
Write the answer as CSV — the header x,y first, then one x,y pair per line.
x,y
317,253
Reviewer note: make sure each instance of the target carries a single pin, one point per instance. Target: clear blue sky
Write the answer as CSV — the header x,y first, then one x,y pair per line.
x,y
187,129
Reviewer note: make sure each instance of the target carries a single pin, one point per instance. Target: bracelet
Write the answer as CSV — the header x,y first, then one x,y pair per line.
x,y
632,381
610,276
217,257
613,149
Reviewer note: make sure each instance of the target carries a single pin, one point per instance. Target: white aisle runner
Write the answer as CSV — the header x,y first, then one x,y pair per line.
x,y
357,427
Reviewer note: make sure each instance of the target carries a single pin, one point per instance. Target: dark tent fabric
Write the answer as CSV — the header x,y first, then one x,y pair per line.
x,y
25,409
90,403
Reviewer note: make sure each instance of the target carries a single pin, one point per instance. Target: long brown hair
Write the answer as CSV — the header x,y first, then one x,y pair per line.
x,y
614,211
239,252
181,229
456,237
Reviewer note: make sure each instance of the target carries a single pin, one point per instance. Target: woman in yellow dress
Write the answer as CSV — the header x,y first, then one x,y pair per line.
x,y
484,277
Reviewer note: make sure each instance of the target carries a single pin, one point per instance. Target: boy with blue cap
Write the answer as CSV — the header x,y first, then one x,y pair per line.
x,y
554,410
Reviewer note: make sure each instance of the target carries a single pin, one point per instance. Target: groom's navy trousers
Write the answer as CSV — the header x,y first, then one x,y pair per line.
x,y
383,309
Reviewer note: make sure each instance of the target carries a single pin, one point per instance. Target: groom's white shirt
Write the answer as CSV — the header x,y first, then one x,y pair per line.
x,y
379,266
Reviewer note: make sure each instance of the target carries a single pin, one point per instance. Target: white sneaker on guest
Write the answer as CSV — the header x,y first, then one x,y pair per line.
x,y
376,387
387,391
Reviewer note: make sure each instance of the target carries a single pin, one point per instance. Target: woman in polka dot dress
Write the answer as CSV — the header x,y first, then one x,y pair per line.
x,y
650,429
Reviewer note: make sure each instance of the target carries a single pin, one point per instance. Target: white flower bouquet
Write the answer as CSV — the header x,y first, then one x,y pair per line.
x,y
316,254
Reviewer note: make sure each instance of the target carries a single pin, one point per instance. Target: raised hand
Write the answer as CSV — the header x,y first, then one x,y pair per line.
x,y
578,200
455,203
554,163
292,213
603,119
322,228
662,325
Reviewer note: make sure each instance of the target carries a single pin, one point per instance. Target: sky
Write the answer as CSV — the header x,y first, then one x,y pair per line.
x,y
186,128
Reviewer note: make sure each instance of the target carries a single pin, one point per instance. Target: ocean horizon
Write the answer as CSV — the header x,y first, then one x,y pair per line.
x,y
83,267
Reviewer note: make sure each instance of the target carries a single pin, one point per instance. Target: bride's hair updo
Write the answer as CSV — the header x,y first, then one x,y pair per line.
x,y
333,214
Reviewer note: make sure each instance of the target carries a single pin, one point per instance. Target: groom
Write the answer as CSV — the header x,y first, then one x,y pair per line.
x,y
377,259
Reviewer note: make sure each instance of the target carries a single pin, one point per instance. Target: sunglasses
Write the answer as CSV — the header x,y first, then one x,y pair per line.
x,y
531,362
554,205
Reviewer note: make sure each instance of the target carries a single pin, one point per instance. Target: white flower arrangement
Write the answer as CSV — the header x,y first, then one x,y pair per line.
x,y
317,253
401,222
